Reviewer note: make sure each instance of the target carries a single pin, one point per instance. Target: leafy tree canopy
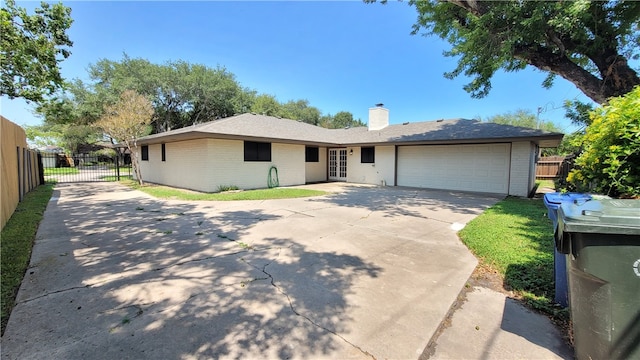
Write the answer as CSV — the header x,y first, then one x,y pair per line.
x,y
585,42
523,118
342,119
31,48
610,159
127,120
181,94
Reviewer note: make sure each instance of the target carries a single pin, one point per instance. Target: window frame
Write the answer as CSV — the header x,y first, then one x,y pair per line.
x,y
163,151
256,151
311,154
144,152
368,156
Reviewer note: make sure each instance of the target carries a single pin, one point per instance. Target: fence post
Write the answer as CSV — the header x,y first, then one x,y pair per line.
x,y
19,174
117,159
40,169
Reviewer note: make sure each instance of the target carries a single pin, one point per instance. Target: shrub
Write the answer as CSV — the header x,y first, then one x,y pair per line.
x,y
610,159
223,188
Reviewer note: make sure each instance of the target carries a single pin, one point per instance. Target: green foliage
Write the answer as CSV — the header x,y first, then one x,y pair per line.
x,y
223,188
127,120
266,105
578,112
74,136
610,161
570,145
16,241
585,42
523,118
300,110
341,120
41,135
32,46
105,152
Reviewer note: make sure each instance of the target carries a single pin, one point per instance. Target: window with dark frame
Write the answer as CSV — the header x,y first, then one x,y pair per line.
x,y
163,150
257,151
368,155
312,154
144,152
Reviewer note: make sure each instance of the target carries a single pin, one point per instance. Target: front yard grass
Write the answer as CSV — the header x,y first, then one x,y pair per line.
x,y
515,239
165,192
16,241
61,171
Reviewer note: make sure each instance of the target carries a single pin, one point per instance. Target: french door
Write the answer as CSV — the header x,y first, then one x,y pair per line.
x,y
337,164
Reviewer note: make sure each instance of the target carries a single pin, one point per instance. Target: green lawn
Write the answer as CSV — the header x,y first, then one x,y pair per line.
x,y
165,192
545,183
61,171
16,241
515,238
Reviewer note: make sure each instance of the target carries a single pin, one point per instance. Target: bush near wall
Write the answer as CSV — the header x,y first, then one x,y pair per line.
x,y
610,160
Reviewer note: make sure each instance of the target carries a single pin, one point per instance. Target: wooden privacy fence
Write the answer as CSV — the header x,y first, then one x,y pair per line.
x,y
21,171
554,167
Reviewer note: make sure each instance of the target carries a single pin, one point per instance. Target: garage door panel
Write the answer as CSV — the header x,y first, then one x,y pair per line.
x,y
482,168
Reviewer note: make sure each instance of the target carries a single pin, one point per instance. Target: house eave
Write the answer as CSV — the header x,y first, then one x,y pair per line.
x,y
541,141
196,135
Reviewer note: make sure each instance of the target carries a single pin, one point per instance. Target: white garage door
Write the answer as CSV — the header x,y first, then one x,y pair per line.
x,y
479,168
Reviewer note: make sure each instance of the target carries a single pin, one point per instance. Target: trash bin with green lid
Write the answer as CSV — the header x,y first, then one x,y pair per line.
x,y
602,241
552,201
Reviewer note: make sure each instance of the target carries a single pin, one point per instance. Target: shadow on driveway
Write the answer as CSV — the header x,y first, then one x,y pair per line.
x,y
116,274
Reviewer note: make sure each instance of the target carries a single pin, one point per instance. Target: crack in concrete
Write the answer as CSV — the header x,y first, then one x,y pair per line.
x,y
180,263
155,269
281,291
53,292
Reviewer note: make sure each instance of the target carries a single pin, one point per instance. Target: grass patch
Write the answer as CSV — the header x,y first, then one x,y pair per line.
x,y
545,183
115,178
165,192
16,241
515,238
61,171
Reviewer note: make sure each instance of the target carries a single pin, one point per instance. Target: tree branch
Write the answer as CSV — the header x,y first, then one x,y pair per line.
x,y
545,59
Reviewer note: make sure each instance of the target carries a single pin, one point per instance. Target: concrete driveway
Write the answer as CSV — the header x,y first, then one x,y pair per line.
x,y
365,272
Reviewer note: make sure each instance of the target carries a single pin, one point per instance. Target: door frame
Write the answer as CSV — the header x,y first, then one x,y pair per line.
x,y
337,164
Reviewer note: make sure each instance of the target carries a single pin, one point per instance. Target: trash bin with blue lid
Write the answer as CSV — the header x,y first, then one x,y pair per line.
x,y
602,241
552,201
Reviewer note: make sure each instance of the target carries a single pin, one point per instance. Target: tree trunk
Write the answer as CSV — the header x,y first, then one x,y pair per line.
x,y
134,161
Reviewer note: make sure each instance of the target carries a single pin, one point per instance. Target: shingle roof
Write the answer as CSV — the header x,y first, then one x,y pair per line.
x,y
260,127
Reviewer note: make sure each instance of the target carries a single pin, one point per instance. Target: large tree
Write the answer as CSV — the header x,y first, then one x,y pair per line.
x,y
31,48
585,42
126,121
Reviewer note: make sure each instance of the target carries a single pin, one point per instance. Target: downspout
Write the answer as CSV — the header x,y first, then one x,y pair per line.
x,y
395,167
510,164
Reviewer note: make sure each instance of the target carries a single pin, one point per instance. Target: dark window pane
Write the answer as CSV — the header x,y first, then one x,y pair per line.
x,y
312,154
164,153
368,155
144,150
257,151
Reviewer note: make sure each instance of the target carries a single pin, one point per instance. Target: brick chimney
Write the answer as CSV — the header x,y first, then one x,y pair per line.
x,y
378,117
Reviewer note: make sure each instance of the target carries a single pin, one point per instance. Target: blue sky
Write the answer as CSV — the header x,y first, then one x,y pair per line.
x,y
339,55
